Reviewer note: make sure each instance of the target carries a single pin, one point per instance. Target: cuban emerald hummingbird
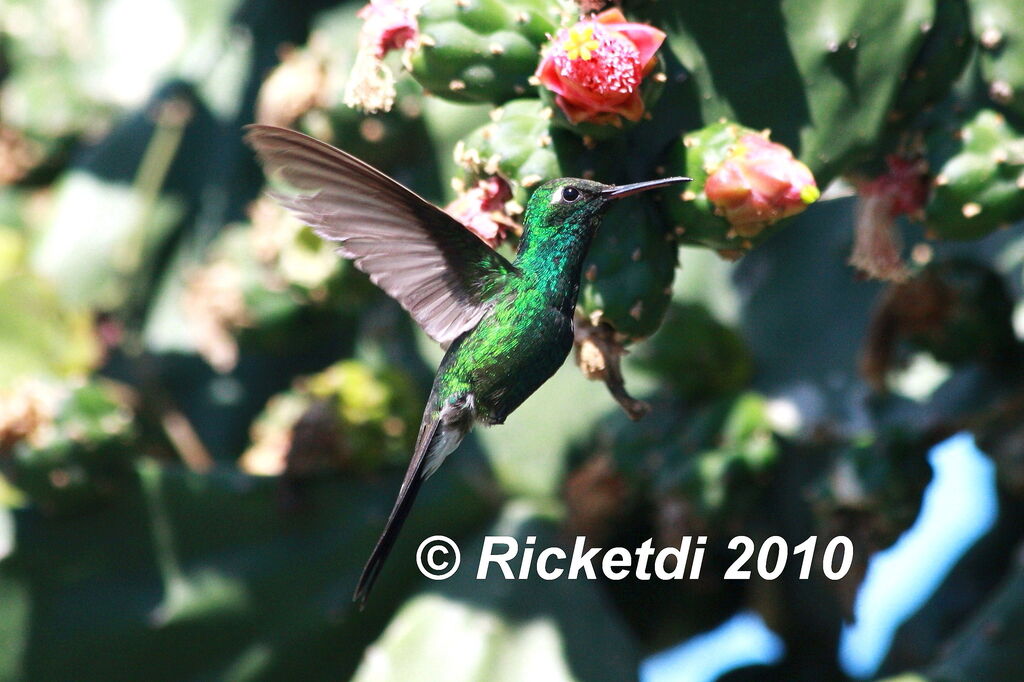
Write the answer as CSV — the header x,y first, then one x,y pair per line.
x,y
507,326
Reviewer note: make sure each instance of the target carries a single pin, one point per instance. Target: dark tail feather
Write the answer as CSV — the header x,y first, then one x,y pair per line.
x,y
414,477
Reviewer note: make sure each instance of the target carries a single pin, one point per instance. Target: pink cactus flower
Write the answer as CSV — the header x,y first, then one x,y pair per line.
x,y
902,190
595,68
759,183
483,210
387,25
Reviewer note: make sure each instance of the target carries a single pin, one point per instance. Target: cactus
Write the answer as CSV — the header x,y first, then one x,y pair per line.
x,y
873,490
720,481
39,335
978,176
938,63
66,446
348,417
520,146
481,50
214,556
832,75
627,278
957,310
988,646
708,465
1000,39
626,289
133,246
395,141
735,198
516,145
263,279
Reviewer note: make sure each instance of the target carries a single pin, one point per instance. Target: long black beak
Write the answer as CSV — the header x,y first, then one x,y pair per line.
x,y
619,191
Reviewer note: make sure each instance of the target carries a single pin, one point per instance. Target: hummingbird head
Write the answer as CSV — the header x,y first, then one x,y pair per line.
x,y
561,219
578,202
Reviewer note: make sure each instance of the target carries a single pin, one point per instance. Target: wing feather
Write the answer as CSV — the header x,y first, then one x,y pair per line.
x,y
444,275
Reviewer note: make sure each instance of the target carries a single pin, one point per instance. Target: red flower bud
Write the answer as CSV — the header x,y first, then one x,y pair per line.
x,y
759,183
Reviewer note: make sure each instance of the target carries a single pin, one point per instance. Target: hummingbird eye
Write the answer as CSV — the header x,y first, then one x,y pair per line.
x,y
570,194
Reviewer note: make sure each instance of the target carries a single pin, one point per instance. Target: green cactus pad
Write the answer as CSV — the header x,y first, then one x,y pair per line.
x,y
940,60
874,488
348,417
978,176
395,142
958,310
81,453
821,75
709,457
1000,35
481,50
521,146
627,277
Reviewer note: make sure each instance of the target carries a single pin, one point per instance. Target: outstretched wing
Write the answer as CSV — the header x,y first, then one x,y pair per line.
x,y
443,274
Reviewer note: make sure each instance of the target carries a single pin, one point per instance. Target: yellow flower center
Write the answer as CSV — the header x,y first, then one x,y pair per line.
x,y
580,43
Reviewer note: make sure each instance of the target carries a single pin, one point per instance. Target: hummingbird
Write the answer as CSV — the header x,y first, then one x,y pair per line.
x,y
506,326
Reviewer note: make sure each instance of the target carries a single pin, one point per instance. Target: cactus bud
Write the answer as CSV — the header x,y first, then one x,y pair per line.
x,y
759,183
743,184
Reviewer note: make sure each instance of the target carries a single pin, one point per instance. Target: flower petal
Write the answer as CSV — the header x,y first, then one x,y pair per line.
x,y
611,16
646,38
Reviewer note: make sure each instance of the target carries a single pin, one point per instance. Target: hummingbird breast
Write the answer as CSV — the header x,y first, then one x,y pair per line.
x,y
508,356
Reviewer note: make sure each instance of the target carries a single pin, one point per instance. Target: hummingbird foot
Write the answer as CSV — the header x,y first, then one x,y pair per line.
x,y
599,357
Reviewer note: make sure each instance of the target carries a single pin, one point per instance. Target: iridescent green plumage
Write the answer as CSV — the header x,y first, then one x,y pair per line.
x,y
508,326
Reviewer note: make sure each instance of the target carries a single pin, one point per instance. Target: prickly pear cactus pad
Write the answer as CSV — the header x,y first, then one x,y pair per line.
x,y
696,354
520,145
978,181
627,279
67,446
348,417
831,70
481,50
942,57
997,27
